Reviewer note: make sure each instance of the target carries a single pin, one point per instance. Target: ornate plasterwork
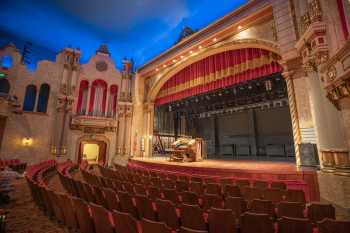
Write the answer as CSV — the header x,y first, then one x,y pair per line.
x,y
93,124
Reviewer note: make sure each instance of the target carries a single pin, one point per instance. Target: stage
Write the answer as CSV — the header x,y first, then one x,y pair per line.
x,y
305,179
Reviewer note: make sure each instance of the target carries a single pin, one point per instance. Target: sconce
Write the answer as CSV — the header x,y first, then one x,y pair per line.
x,y
27,141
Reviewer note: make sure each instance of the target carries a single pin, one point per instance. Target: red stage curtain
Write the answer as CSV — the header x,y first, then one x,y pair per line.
x,y
84,85
218,71
341,9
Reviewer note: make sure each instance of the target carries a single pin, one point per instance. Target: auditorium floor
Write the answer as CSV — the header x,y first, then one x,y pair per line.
x,y
25,217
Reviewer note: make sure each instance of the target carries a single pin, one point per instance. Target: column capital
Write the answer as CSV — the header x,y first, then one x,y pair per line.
x,y
288,74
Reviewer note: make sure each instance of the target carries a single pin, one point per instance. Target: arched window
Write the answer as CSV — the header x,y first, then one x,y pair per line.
x,y
6,62
44,94
29,98
98,98
82,98
4,86
112,101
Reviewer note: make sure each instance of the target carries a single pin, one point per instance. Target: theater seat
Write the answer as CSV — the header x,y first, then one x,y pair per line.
x,y
333,226
85,222
188,230
253,223
192,217
290,209
222,221
149,226
167,213
294,225
145,208
124,222
101,219
317,212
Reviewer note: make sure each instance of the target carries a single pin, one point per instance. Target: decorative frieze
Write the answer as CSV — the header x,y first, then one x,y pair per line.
x,y
95,125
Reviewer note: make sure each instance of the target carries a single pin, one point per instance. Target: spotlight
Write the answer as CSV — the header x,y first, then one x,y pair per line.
x,y
215,39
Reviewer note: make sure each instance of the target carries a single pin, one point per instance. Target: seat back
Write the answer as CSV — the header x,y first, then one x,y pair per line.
x,y
295,196
188,230
197,187
154,193
145,208
242,183
124,222
111,199
70,218
171,195
168,184
57,208
251,193
274,195
127,204
237,204
278,185
253,223
213,188
140,189
85,222
290,209
100,198
149,226
294,225
333,226
231,190
167,213
221,220
182,186
190,198
262,207
212,200
317,212
260,184
101,219
192,217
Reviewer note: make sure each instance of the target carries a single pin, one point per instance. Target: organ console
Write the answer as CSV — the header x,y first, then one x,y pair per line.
x,y
187,150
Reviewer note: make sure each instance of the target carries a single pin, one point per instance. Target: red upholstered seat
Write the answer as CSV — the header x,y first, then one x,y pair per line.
x,y
242,183
237,204
140,189
154,193
124,222
168,184
278,185
213,188
197,187
69,214
294,225
260,184
333,226
317,212
222,221
231,190
111,199
127,204
182,186
295,196
171,195
167,213
274,195
145,208
190,198
101,219
57,208
85,222
149,226
262,207
253,223
192,217
211,200
290,209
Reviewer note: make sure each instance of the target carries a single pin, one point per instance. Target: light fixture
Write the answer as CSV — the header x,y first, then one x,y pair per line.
x,y
239,27
164,65
215,39
191,52
200,47
157,69
182,56
174,60
27,141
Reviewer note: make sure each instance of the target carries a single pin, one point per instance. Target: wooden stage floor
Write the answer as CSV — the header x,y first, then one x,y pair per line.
x,y
288,172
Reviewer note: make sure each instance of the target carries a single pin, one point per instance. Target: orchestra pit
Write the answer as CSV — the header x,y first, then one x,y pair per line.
x,y
240,124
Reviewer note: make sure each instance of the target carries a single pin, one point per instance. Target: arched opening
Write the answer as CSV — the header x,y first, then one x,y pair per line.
x,y
97,105
112,101
44,94
4,86
236,100
83,97
92,151
29,98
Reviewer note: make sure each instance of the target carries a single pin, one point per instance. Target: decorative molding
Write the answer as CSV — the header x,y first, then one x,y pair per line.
x,y
93,124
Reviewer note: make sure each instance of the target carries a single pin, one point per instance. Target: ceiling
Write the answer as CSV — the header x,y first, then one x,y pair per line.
x,y
138,29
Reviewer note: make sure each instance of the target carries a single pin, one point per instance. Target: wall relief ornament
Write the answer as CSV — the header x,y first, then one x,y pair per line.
x,y
101,66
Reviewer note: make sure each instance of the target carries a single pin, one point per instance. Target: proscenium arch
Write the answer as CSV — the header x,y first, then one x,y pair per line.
x,y
232,45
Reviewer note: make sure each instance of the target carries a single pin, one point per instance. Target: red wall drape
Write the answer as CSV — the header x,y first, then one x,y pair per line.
x,y
84,85
95,83
343,20
218,71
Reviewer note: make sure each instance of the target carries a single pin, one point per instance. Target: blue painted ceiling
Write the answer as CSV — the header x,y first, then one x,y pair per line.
x,y
138,29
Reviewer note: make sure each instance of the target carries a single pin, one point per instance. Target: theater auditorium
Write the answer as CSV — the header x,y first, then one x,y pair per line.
x,y
240,124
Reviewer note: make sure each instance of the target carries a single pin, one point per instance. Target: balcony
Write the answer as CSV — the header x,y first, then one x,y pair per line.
x,y
94,124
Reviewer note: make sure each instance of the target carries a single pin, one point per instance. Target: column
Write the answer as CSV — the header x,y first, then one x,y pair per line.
x,y
288,76
252,132
121,128
149,130
330,134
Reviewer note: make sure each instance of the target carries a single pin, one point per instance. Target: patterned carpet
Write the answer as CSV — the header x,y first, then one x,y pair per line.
x,y
25,217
